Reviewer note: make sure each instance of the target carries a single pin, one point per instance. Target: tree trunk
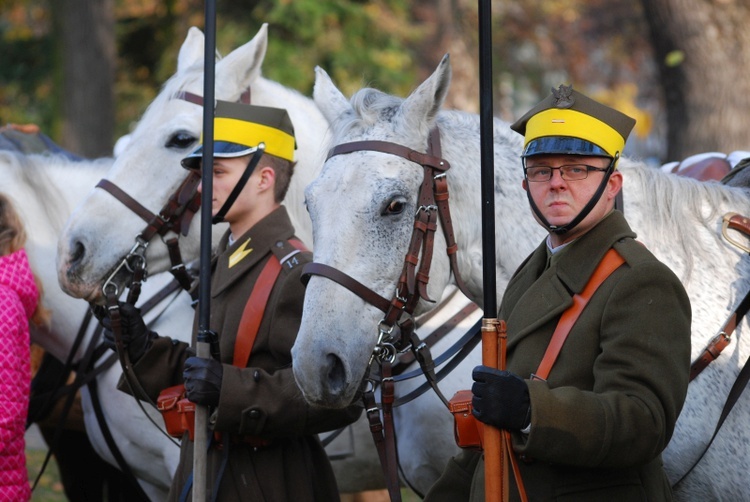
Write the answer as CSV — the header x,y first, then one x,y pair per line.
x,y
449,31
707,94
86,35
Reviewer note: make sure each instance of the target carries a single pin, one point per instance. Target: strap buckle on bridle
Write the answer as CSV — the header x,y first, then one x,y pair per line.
x,y
134,261
384,349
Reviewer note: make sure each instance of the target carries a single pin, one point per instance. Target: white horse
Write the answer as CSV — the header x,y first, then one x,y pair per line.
x,y
44,189
677,218
100,230
148,167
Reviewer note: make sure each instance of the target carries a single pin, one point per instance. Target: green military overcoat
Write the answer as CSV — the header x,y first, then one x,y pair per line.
x,y
262,399
608,409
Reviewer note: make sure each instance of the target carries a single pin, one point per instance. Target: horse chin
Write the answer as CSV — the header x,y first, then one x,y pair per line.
x,y
334,400
92,293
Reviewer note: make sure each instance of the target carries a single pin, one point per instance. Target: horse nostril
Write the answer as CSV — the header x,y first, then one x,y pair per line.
x,y
79,250
336,373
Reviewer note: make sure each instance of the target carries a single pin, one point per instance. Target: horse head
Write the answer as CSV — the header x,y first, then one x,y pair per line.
x,y
363,207
99,234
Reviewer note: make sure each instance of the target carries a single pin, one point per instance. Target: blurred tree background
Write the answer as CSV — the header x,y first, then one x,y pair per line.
x,y
85,70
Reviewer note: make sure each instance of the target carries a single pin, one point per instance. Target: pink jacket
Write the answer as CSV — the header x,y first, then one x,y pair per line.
x,y
18,300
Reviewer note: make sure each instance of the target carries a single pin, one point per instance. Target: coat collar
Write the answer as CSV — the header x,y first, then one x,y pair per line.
x,y
232,262
535,295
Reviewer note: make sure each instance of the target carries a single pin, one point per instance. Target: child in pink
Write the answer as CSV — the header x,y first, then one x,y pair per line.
x,y
18,303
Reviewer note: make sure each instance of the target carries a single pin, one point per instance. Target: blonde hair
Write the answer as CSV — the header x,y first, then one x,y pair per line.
x,y
13,238
12,232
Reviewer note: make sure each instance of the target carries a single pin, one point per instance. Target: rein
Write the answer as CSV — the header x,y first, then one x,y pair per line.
x,y
396,329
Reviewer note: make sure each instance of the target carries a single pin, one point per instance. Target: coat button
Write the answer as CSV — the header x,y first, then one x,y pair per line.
x,y
254,414
256,376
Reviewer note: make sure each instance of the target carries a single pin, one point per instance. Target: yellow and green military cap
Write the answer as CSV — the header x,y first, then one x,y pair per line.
x,y
567,122
239,128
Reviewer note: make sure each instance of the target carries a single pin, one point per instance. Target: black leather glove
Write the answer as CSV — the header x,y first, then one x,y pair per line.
x,y
501,399
136,337
203,380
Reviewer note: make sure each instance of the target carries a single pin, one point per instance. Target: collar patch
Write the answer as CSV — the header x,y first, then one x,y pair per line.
x,y
241,252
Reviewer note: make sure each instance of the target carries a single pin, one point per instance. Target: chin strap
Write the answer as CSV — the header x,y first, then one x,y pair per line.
x,y
240,184
584,212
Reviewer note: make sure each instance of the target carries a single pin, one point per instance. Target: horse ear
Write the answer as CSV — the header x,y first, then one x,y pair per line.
x,y
427,99
331,102
192,49
242,65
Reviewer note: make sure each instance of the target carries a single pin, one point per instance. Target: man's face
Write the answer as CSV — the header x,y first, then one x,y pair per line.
x,y
226,173
560,200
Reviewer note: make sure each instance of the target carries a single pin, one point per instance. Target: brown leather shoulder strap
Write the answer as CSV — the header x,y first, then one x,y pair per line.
x,y
611,262
252,315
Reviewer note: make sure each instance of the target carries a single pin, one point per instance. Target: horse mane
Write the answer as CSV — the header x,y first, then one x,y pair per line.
x,y
33,171
672,205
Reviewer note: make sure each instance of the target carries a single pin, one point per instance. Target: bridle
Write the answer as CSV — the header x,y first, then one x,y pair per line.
x,y
412,283
396,329
175,217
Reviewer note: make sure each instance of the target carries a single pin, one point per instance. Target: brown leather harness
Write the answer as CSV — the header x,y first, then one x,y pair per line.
x,y
396,328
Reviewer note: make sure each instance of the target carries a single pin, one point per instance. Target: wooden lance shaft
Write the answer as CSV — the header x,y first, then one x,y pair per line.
x,y
495,462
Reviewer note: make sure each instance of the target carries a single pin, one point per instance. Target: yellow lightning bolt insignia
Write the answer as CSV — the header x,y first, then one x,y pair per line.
x,y
238,255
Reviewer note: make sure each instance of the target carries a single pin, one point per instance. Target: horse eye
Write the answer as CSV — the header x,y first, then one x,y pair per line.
x,y
395,207
181,140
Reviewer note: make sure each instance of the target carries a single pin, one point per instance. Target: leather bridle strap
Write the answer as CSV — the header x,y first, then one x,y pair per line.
x,y
423,159
347,281
198,100
175,216
721,341
181,205
127,200
383,433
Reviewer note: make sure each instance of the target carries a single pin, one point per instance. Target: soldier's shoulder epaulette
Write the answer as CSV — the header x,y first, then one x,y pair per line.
x,y
290,253
633,251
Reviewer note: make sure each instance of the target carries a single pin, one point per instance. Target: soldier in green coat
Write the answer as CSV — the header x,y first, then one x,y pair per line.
x,y
265,445
593,430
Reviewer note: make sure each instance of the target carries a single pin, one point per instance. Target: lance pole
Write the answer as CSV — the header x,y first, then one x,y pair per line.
x,y
202,349
495,485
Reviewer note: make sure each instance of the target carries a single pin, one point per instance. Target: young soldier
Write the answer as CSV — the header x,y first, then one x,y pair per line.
x,y
265,446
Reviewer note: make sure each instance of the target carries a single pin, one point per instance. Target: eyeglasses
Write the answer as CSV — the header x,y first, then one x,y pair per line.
x,y
568,172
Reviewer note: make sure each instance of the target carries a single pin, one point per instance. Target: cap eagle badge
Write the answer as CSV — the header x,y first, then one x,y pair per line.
x,y
563,96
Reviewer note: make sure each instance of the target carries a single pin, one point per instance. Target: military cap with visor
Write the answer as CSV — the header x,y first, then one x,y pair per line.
x,y
246,130
569,123
239,129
